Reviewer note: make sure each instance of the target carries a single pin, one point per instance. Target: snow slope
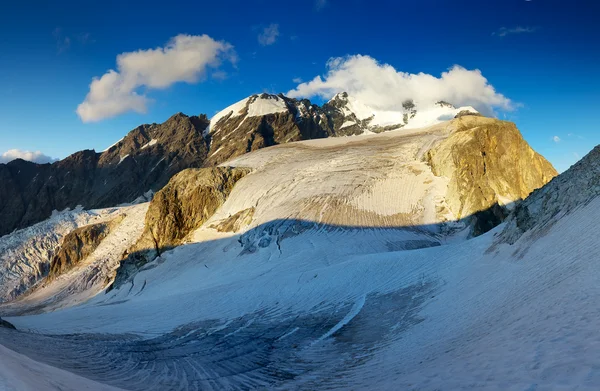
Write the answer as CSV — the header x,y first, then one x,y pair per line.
x,y
90,277
25,255
451,317
344,270
20,373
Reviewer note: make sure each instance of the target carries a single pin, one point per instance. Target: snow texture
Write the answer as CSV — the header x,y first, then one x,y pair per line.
x,y
348,276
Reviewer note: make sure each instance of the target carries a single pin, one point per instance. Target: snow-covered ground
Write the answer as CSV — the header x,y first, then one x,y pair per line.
x,y
20,373
91,276
344,278
451,317
25,254
423,116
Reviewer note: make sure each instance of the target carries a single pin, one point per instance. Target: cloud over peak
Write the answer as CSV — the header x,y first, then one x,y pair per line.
x,y
185,58
386,88
36,156
269,35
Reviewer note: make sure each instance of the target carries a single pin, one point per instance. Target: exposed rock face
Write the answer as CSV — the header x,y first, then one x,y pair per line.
x,y
183,205
464,113
485,158
261,121
144,160
151,154
78,245
236,221
265,120
7,325
574,188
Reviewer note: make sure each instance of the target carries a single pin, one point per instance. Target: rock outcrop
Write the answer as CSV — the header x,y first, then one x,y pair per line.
x,y
489,164
183,205
574,188
7,325
77,245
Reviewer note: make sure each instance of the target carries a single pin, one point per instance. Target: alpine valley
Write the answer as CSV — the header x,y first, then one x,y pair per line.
x,y
285,245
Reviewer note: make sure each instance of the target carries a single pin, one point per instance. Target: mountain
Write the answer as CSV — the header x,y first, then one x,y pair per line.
x,y
574,189
148,156
142,161
457,177
378,259
266,120
350,116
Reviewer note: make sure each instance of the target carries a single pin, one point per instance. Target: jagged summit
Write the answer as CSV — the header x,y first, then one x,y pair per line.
x,y
342,115
409,115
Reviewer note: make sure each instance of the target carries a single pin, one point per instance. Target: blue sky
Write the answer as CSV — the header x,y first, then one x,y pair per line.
x,y
543,55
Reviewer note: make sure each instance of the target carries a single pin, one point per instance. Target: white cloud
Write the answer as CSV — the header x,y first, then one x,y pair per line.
x,y
185,58
269,35
504,31
297,80
556,139
385,88
36,157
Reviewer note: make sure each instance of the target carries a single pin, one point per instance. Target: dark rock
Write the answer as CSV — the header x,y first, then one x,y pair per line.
x,y
136,164
78,245
464,113
6,324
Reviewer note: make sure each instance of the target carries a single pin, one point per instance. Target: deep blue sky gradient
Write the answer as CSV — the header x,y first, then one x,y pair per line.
x,y
552,72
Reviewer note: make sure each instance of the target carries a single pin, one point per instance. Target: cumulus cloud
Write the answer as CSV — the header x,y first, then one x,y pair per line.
x,y
269,35
556,139
385,88
185,58
36,156
504,31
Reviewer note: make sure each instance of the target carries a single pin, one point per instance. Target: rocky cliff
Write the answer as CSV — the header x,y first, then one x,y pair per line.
x,y
183,205
144,160
489,164
573,189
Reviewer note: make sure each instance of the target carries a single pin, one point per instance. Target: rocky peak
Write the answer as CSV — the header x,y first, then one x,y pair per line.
x,y
443,103
145,159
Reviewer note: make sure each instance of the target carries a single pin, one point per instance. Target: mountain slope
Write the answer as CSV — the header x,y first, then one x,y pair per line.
x,y
349,116
148,156
396,185
574,189
144,160
312,304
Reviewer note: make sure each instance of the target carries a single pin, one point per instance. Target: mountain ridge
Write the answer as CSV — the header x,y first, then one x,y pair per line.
x,y
148,156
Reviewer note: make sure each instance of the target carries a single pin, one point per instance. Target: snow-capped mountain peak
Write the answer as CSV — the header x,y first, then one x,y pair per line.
x,y
351,113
